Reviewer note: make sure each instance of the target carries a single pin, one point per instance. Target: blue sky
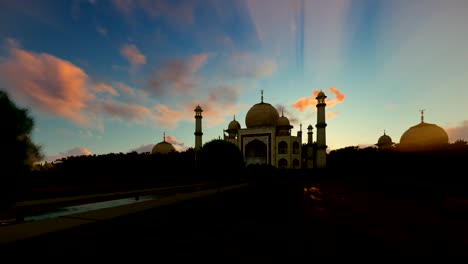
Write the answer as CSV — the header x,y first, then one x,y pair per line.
x,y
103,76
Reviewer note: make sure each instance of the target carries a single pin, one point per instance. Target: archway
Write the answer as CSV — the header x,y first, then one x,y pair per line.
x,y
282,164
256,152
283,148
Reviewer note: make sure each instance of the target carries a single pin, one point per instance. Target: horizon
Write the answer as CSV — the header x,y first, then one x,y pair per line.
x,y
109,76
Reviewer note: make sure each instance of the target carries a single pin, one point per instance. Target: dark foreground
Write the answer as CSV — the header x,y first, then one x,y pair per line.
x,y
274,221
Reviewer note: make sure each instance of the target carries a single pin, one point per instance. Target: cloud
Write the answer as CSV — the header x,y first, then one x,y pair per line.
x,y
177,75
282,110
143,148
122,111
76,151
102,87
178,145
302,103
458,132
132,54
48,83
126,89
167,117
220,102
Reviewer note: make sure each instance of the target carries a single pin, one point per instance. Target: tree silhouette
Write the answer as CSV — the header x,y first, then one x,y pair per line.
x,y
19,152
220,157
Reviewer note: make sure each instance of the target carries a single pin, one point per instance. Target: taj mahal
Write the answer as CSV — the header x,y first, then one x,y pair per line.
x,y
267,138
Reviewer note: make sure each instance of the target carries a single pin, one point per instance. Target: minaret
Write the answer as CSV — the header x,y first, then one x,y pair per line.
x,y
299,133
321,155
310,148
309,135
198,128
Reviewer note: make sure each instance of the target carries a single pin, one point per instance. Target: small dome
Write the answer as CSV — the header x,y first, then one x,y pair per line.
x,y
321,94
261,114
234,125
424,135
310,127
163,147
198,109
283,121
384,141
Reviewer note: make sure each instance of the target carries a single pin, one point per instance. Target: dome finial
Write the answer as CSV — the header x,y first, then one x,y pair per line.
x,y
384,132
164,136
422,115
261,91
282,112
234,117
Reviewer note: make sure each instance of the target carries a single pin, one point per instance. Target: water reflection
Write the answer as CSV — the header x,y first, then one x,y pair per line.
x,y
88,207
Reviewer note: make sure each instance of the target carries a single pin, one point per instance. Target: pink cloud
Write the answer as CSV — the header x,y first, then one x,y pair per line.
x,y
178,145
167,117
143,148
47,83
122,111
126,89
132,54
102,87
176,75
458,132
76,151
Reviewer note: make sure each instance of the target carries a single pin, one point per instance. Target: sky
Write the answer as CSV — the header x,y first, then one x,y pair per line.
x,y
114,76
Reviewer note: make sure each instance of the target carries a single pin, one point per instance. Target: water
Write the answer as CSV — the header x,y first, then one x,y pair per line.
x,y
87,207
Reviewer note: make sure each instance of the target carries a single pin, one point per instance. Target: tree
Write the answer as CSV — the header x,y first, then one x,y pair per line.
x,y
221,158
18,153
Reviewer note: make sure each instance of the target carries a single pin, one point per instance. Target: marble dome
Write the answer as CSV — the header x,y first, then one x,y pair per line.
x,y
261,114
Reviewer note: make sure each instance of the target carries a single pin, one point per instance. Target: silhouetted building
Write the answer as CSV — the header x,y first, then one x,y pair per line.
x,y
267,137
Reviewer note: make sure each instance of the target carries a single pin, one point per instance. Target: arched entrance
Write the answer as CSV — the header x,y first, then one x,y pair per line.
x,y
256,152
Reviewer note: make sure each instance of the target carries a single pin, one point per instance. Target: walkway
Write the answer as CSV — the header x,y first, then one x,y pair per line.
x,y
20,231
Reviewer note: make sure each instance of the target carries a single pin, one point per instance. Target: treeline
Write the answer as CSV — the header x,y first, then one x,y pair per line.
x,y
115,168
429,173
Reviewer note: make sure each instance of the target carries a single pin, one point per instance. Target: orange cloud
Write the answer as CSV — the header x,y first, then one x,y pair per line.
x,y
339,97
48,83
302,103
102,87
176,75
133,55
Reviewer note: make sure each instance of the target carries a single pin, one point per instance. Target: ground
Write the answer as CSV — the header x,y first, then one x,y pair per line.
x,y
272,221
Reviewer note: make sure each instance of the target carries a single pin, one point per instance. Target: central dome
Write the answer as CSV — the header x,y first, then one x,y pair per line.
x,y
261,114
